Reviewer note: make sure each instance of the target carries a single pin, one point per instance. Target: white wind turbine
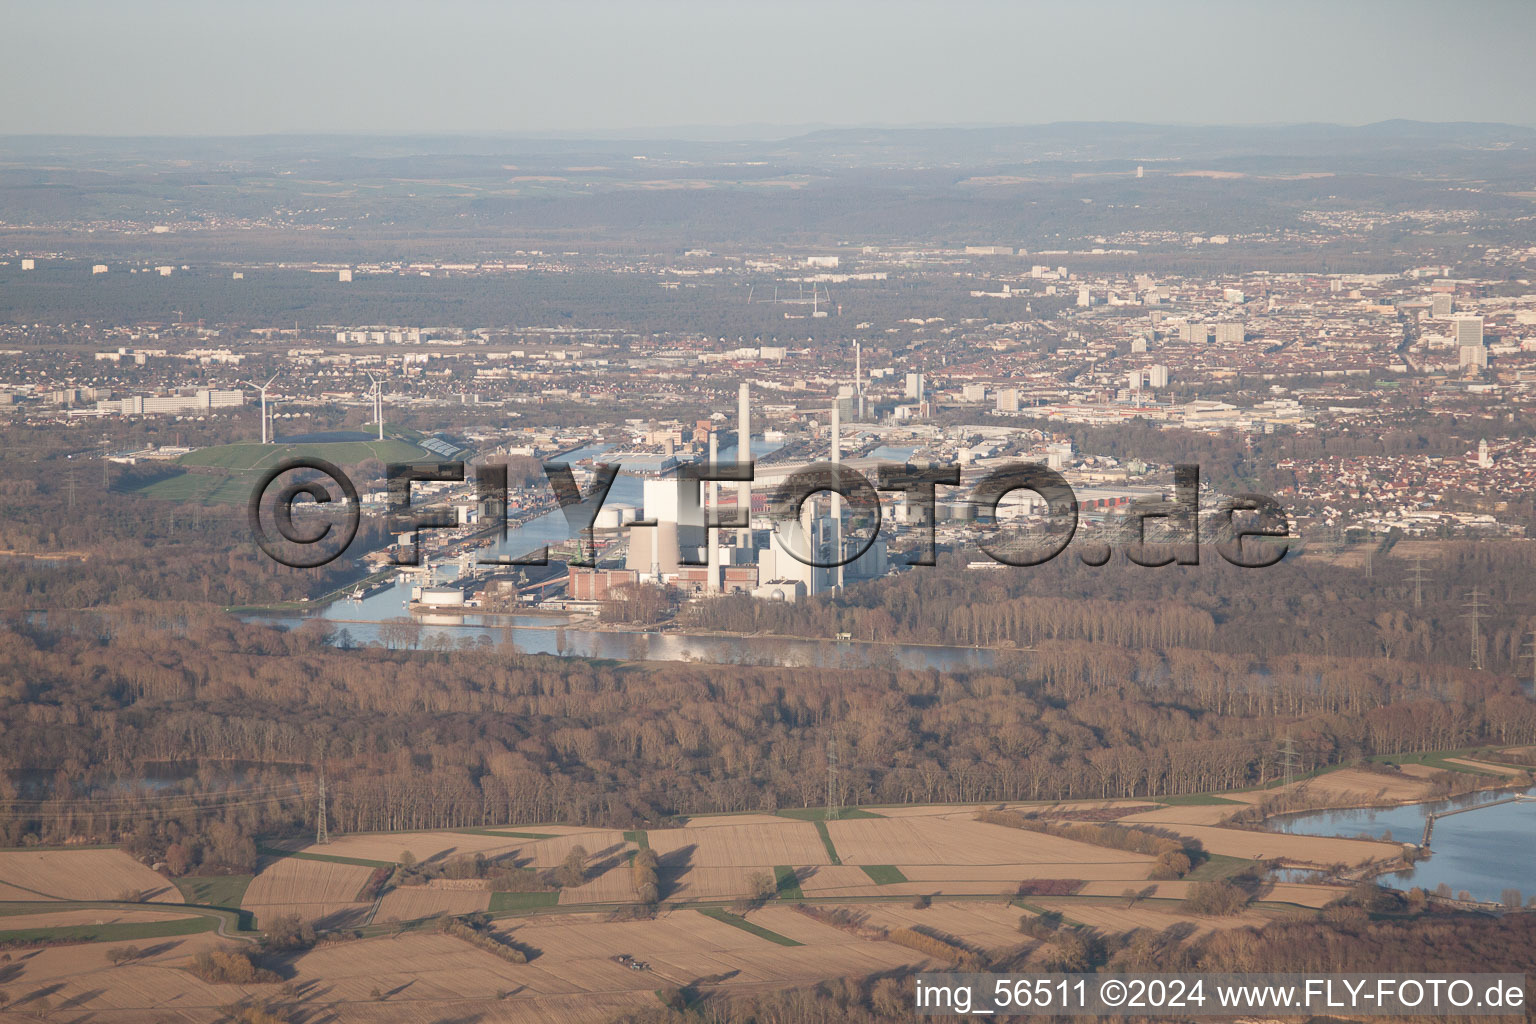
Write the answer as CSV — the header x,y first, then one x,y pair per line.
x,y
263,389
377,394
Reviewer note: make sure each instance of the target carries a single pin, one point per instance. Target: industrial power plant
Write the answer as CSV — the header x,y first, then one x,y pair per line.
x,y
758,556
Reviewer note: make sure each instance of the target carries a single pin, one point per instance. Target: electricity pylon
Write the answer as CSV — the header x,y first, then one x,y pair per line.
x,y
1474,616
322,837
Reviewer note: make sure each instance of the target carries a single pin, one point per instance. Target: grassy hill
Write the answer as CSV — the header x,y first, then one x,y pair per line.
x,y
242,463
247,458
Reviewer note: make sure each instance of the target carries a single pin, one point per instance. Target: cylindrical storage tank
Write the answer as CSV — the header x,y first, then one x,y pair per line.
x,y
958,510
608,518
441,597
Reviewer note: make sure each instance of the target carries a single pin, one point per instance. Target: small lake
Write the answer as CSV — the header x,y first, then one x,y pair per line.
x,y
1484,851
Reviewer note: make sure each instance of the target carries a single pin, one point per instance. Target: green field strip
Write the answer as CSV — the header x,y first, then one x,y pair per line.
x,y
235,922
787,883
638,837
324,858
1216,866
883,874
499,833
113,932
518,901
826,841
737,921
1441,760
820,814
1055,914
1195,800
214,890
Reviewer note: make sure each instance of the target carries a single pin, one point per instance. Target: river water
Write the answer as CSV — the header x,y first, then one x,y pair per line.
x,y
1484,851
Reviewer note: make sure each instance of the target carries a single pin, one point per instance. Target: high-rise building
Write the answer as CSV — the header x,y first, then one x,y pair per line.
x,y
1157,376
1469,332
1439,305
1008,400
915,387
1229,333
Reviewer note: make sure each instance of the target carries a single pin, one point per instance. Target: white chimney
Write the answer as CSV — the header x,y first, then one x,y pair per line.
x,y
837,499
712,507
744,455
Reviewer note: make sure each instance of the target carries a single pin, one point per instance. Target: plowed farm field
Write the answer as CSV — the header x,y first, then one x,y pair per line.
x,y
959,840
408,903
760,844
81,875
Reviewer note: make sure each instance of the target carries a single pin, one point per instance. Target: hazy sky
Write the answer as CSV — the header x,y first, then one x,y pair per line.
x,y
216,67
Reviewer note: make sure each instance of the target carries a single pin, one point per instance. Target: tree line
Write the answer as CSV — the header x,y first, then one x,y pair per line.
x,y
90,702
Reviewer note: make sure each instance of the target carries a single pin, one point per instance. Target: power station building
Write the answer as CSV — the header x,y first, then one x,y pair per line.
x,y
669,544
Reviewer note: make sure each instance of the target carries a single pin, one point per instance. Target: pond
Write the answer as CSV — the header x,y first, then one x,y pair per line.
x,y
1484,851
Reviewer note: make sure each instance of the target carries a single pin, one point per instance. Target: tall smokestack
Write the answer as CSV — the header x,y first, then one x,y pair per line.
x,y
858,377
712,506
837,499
743,456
